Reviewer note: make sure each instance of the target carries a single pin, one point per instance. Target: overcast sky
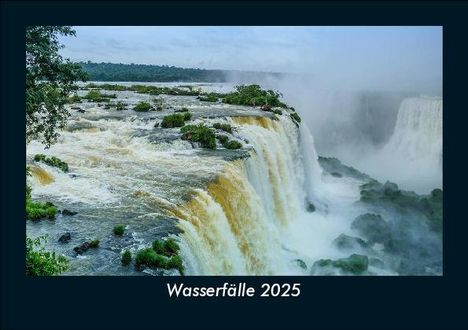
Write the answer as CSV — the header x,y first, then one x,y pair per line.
x,y
386,57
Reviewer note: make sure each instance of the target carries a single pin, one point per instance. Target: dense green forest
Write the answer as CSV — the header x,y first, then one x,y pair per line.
x,y
161,73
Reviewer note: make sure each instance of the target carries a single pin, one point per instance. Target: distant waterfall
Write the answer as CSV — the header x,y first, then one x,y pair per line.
x,y
418,131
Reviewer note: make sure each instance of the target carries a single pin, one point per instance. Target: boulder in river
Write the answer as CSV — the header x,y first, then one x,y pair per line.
x,y
65,238
310,207
82,248
68,212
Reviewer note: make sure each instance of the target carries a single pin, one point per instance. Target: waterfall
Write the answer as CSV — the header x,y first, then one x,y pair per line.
x,y
241,222
418,131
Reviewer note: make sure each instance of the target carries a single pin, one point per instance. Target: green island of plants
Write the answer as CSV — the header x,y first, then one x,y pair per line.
x,y
119,230
223,127
253,95
142,107
126,258
199,133
162,254
210,97
52,161
175,120
224,140
232,145
95,95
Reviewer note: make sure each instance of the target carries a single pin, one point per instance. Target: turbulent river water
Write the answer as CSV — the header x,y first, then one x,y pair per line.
x,y
265,209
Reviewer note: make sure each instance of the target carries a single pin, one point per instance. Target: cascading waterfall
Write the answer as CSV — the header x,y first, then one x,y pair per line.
x,y
412,157
240,223
267,208
418,130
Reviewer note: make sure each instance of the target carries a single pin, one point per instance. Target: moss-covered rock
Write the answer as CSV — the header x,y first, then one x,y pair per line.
x,y
355,264
175,120
222,138
119,106
224,127
232,145
373,227
211,97
295,117
389,195
335,168
52,161
345,242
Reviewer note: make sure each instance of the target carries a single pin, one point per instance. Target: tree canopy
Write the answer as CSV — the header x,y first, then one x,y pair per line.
x,y
49,81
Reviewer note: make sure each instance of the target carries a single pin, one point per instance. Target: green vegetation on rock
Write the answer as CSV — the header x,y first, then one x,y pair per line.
x,y
222,138
38,210
168,247
223,127
142,107
295,117
52,161
40,262
163,254
211,97
95,95
119,106
253,95
126,258
277,112
232,145
389,194
119,230
94,243
199,133
175,120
